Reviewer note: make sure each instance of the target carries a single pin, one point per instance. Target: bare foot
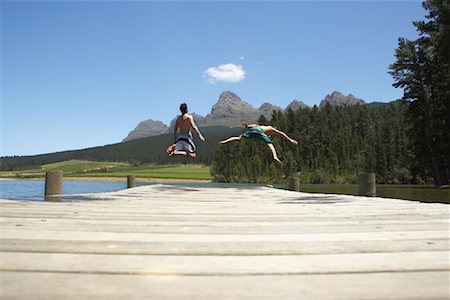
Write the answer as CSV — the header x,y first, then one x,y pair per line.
x,y
278,161
178,152
170,149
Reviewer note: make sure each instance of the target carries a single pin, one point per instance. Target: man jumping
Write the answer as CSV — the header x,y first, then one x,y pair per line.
x,y
184,144
262,133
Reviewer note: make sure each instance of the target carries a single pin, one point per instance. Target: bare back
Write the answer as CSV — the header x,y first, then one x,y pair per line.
x,y
267,129
184,124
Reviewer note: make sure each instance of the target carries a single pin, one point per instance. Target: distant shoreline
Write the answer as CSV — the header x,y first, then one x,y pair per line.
x,y
138,179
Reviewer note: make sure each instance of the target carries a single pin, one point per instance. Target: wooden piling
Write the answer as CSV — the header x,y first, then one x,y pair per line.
x,y
131,181
53,185
367,184
294,183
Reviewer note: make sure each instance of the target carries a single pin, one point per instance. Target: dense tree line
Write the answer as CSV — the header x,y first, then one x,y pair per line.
x,y
336,143
422,69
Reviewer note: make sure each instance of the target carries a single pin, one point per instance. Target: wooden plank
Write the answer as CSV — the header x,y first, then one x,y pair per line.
x,y
163,216
235,237
407,285
221,227
226,265
221,248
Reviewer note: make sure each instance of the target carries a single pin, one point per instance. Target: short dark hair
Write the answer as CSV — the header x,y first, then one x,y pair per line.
x,y
183,108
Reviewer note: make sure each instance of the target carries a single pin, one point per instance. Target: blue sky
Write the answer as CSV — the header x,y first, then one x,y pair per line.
x,y
83,73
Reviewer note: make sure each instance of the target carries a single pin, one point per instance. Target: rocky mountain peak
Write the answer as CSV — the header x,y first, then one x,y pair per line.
x,y
228,96
338,99
296,105
145,129
266,109
269,107
228,105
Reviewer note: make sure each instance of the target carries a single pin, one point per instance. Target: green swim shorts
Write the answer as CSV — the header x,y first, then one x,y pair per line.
x,y
257,133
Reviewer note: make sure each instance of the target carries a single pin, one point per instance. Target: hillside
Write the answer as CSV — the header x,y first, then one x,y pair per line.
x,y
149,150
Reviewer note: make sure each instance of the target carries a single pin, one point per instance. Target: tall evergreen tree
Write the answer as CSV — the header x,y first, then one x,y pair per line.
x,y
422,69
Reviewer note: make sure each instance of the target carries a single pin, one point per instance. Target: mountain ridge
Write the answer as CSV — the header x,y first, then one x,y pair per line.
x,y
230,111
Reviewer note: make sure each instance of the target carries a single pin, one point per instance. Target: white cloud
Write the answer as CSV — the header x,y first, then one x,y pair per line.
x,y
225,72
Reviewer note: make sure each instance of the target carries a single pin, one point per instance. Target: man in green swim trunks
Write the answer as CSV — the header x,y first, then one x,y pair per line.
x,y
261,132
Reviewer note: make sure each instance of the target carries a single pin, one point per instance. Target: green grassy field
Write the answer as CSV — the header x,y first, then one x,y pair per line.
x,y
75,168
167,172
78,166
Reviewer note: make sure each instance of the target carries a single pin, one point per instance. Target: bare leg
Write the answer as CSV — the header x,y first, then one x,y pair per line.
x,y
171,148
178,152
231,139
183,153
274,153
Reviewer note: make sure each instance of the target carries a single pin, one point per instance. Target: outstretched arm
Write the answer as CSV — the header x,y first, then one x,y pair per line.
x,y
284,135
200,136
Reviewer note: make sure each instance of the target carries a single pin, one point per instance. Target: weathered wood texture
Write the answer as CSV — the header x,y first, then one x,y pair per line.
x,y
53,185
173,242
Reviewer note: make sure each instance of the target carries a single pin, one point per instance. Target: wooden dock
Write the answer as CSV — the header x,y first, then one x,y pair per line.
x,y
175,242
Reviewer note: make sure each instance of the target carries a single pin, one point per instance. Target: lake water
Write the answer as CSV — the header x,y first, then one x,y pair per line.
x,y
34,189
